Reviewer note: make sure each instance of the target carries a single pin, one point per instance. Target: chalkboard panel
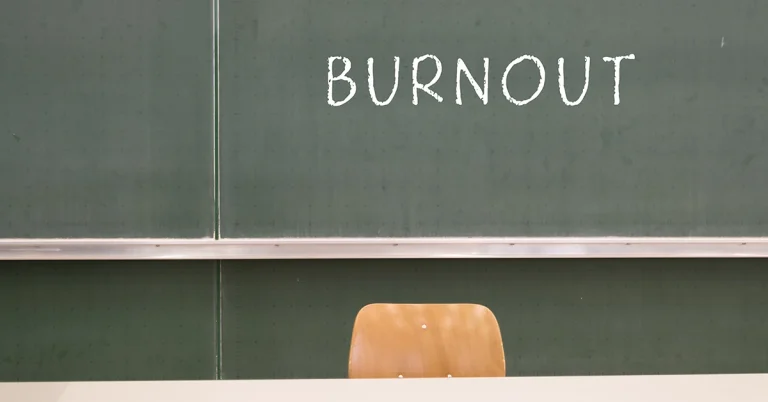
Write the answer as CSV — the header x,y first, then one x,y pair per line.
x,y
107,118
293,319
676,147
102,321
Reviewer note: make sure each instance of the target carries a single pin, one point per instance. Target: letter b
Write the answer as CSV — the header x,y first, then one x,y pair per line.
x,y
341,77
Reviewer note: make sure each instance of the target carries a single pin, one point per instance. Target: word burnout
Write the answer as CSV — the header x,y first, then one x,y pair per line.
x,y
462,70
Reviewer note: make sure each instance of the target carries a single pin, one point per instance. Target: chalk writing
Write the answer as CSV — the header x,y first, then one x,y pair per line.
x,y
463,71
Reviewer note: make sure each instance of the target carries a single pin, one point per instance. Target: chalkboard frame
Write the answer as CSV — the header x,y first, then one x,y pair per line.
x,y
383,248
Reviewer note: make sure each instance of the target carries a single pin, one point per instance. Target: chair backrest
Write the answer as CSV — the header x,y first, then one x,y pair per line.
x,y
426,340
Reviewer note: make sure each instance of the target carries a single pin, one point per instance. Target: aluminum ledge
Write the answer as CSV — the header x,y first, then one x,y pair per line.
x,y
381,248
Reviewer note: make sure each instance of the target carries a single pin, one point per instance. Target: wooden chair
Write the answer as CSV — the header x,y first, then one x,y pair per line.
x,y
426,340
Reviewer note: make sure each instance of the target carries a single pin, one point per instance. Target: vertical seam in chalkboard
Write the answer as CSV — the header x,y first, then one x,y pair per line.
x,y
217,303
217,322
216,128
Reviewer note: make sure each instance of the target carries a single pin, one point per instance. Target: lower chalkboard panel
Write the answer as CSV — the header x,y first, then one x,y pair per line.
x,y
134,320
96,321
293,319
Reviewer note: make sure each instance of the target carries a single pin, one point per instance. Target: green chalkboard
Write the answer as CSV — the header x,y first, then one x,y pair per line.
x,y
191,320
101,321
293,319
106,118
683,153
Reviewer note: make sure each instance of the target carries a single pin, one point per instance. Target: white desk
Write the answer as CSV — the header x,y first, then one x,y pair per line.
x,y
703,388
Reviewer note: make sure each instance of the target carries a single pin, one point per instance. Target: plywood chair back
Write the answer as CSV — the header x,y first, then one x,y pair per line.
x,y
426,340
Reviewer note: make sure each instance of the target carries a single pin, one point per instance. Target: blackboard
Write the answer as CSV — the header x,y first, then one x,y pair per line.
x,y
678,150
107,113
162,320
110,124
107,320
293,319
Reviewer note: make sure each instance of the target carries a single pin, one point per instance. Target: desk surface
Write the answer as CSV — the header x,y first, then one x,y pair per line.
x,y
694,388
